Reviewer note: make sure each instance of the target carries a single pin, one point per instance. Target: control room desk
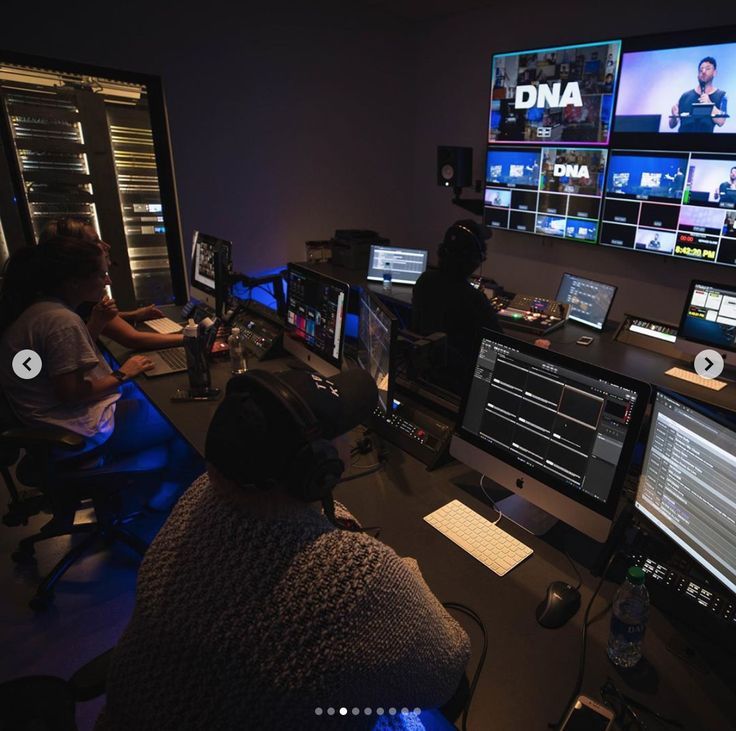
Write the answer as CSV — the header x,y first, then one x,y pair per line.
x,y
529,671
604,351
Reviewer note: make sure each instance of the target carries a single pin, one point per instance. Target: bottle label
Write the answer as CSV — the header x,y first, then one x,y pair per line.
x,y
627,632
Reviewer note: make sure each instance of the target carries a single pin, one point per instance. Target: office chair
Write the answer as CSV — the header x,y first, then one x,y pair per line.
x,y
62,485
47,702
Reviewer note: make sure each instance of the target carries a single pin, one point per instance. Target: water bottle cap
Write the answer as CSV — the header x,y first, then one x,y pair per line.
x,y
235,331
635,575
190,329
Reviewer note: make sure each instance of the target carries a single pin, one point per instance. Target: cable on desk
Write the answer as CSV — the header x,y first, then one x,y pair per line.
x,y
481,660
491,501
581,667
574,567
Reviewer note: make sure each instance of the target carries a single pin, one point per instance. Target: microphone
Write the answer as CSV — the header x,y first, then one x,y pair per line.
x,y
702,87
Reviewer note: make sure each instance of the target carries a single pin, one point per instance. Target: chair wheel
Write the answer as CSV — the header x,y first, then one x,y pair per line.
x,y
41,602
23,557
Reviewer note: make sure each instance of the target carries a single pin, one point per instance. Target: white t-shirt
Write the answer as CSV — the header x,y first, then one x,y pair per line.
x,y
62,340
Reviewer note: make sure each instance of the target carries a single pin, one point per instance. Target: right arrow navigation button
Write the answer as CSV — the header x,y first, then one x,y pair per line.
x,y
709,364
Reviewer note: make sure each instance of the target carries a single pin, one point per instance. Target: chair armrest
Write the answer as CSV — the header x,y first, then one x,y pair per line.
x,y
90,680
52,436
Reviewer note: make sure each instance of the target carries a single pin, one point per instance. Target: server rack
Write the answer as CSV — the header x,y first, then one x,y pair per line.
x,y
93,142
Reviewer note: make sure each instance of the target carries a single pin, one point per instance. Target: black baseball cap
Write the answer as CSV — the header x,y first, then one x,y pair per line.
x,y
253,434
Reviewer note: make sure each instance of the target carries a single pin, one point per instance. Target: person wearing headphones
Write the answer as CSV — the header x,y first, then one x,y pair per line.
x,y
256,609
443,300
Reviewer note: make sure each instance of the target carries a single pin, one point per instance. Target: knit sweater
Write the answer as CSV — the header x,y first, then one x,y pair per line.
x,y
252,619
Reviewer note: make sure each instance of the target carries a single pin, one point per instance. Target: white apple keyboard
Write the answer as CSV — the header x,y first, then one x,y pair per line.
x,y
685,375
163,325
483,540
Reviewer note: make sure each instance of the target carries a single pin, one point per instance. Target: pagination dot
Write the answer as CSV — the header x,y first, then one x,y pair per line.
x,y
318,711
330,711
343,711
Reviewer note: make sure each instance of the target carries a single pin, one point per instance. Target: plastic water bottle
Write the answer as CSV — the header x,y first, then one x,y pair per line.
x,y
237,351
629,620
198,368
387,275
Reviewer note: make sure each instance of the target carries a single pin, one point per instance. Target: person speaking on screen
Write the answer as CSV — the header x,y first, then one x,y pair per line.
x,y
727,185
705,92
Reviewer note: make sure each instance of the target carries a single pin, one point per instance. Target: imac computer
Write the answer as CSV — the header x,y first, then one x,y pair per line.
x,y
377,332
316,306
709,319
688,482
406,265
205,285
557,432
590,301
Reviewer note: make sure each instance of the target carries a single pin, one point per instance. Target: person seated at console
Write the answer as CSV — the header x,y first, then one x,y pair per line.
x,y
443,300
42,287
103,317
256,609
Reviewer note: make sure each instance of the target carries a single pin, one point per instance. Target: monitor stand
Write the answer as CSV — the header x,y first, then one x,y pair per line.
x,y
527,516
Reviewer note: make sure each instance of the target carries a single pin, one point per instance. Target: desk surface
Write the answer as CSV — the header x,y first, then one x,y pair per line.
x,y
529,671
604,351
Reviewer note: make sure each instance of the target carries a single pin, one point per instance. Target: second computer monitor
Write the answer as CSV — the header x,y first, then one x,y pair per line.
x,y
377,331
405,265
554,430
316,306
688,482
709,316
590,301
205,277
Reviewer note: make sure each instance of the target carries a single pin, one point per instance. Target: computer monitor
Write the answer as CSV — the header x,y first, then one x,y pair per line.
x,y
204,273
377,331
316,306
406,264
688,482
554,430
709,318
590,301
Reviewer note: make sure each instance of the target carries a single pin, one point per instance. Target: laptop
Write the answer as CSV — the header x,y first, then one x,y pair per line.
x,y
167,360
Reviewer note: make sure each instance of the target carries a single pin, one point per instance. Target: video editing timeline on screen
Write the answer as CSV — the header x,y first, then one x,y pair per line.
x,y
710,315
406,265
570,425
687,484
677,204
554,94
552,191
315,310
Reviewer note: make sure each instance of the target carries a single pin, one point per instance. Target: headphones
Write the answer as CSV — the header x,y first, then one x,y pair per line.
x,y
316,468
455,244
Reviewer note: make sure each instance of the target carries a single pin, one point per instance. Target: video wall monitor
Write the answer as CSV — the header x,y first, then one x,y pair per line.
x,y
688,482
678,84
590,301
377,331
709,316
558,432
675,204
551,191
406,265
203,285
316,306
553,95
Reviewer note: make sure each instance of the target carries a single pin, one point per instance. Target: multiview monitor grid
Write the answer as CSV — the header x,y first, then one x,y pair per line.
x,y
576,151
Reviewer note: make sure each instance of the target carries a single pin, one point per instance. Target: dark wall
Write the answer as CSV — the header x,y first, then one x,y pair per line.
x,y
301,118
452,86
286,123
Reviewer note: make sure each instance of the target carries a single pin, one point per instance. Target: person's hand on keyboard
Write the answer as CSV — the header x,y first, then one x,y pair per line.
x,y
136,365
149,312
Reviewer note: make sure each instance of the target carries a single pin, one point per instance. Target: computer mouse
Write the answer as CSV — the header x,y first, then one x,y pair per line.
x,y
560,604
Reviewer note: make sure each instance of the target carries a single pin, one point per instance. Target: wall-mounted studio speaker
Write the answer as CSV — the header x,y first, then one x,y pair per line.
x,y
454,166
